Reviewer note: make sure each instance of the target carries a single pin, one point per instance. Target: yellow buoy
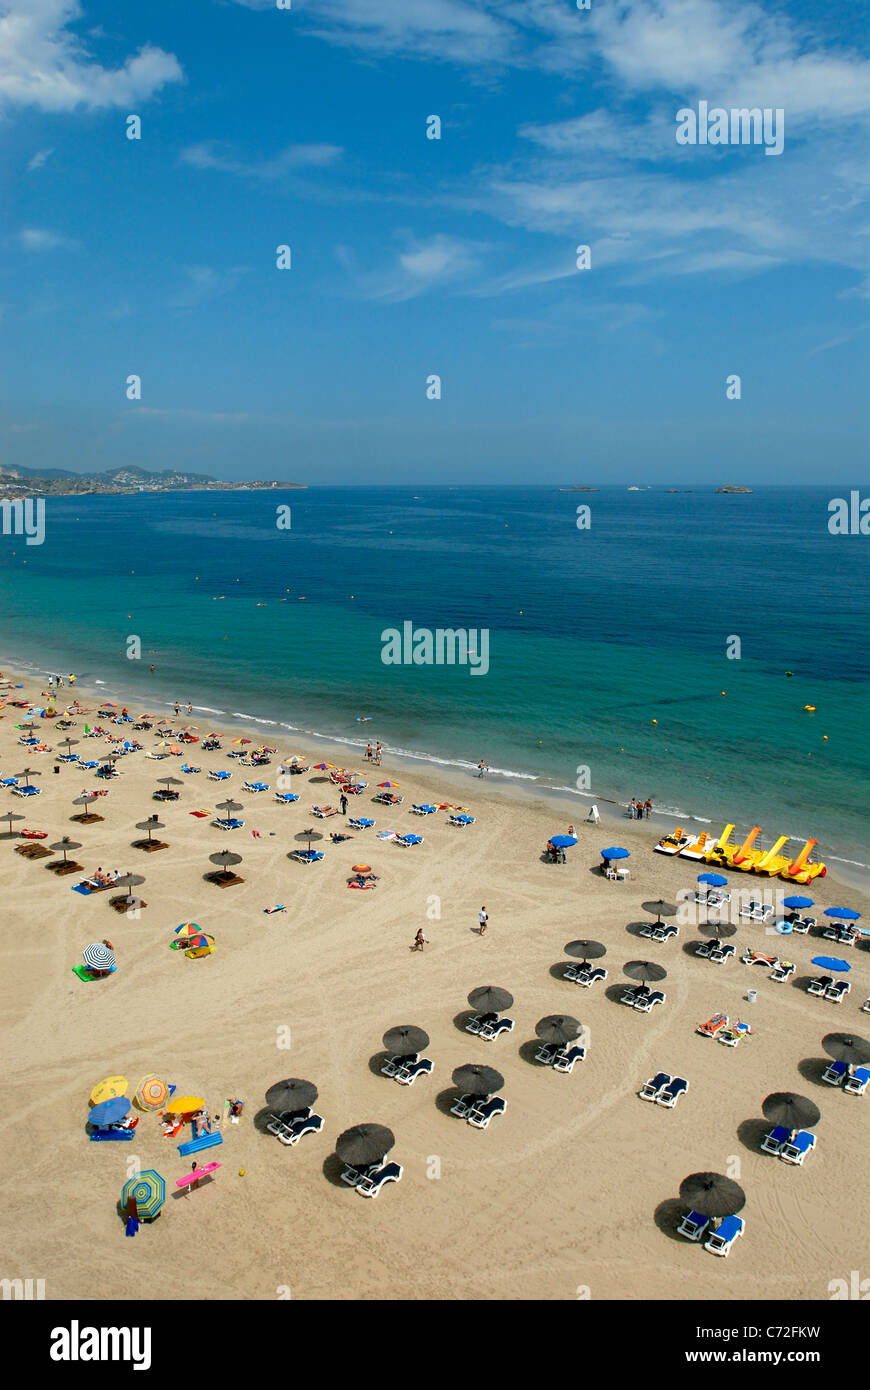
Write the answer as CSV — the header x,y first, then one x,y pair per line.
x,y
655,721
721,692
242,1172
811,709
825,737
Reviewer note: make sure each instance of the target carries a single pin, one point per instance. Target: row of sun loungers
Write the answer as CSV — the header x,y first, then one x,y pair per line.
x,y
791,1148
855,1082
825,987
369,1181
559,1057
291,1125
715,950
405,1070
584,974
658,931
664,1089
719,1241
489,1026
642,999
478,1111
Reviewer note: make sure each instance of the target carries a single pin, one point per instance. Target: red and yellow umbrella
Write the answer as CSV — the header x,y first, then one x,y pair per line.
x,y
151,1093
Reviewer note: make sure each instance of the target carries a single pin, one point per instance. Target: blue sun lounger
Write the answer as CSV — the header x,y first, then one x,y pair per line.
x,y
255,786
835,1073
857,1083
361,822
228,823
723,1238
656,1084
286,798
425,809
371,1184
483,1110
795,1150
186,767
670,1094
693,1226
307,856
462,820
221,776
772,1143
406,840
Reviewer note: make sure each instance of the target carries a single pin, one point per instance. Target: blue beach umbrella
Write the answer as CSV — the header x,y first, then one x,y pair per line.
x,y
716,880
109,1112
797,902
563,841
832,963
615,852
845,912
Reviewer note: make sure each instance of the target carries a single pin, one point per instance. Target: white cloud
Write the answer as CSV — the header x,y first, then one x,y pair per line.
x,y
294,158
44,64
424,265
42,239
38,160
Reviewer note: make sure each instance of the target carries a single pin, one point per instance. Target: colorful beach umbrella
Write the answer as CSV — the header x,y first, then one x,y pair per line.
x,y
324,767
832,963
238,741
98,957
797,902
151,1093
361,868
148,1191
105,1090
615,852
846,913
188,927
185,1105
714,880
109,1112
387,786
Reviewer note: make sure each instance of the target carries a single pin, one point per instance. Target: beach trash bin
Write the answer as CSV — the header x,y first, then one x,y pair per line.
x,y
751,996
56,767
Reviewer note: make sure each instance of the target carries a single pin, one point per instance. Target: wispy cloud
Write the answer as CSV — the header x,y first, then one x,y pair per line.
x,y
43,239
38,160
203,283
44,64
423,265
293,159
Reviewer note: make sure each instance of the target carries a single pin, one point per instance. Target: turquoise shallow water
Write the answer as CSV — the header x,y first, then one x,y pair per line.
x,y
592,634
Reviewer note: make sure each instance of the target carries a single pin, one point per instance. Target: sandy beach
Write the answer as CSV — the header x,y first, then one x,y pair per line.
x,y
570,1194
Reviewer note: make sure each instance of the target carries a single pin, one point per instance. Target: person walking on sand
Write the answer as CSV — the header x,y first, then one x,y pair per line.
x,y
342,801
482,918
419,940
481,768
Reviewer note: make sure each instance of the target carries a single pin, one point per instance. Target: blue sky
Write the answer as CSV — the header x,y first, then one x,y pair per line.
x,y
414,257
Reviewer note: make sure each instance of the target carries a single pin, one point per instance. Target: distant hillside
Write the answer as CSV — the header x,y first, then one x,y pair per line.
x,y
128,478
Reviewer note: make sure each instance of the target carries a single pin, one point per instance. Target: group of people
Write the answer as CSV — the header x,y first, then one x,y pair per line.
x,y
102,878
373,756
639,810
57,681
178,707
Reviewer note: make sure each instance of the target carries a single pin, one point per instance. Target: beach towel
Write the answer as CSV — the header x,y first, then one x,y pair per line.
x,y
200,814
388,834
81,888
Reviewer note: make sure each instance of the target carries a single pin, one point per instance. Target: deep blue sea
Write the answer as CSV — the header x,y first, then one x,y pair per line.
x,y
593,634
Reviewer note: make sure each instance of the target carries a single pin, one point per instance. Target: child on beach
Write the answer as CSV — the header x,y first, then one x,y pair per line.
x,y
420,940
482,918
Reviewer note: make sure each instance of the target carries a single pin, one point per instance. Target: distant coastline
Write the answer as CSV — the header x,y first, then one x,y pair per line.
x,y
60,482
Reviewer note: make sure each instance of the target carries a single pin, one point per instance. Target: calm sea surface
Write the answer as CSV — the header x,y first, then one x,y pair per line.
x,y
593,634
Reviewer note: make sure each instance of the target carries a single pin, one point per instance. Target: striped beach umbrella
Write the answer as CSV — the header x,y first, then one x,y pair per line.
x,y
387,786
188,927
151,1093
98,957
111,1086
148,1191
